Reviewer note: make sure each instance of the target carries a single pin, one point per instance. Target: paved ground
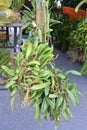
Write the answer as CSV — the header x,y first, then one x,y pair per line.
x,y
23,118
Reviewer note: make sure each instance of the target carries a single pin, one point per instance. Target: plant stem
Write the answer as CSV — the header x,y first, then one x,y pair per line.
x,y
41,20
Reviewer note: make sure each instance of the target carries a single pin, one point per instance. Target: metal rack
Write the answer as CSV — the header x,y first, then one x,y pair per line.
x,y
14,26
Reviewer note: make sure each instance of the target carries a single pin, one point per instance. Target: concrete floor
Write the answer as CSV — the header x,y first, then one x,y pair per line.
x,y
23,118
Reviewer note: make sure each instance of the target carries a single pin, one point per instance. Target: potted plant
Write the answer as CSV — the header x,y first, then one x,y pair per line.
x,y
70,10
35,78
72,14
78,38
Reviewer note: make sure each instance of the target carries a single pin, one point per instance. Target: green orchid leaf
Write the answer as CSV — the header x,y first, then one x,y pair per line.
x,y
37,95
65,116
68,111
49,101
13,92
64,105
37,112
47,90
33,63
44,115
10,84
80,4
40,86
44,106
62,76
72,97
12,102
53,95
8,71
56,123
59,101
73,72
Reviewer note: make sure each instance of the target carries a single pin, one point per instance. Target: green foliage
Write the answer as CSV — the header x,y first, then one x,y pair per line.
x,y
4,60
38,82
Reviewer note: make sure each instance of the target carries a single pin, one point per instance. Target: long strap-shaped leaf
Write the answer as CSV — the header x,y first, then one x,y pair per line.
x,y
40,86
80,4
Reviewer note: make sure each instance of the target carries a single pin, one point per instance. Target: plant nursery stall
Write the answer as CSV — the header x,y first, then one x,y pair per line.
x,y
43,64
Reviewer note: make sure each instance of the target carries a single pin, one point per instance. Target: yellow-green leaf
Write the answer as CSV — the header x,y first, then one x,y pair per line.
x,y
40,86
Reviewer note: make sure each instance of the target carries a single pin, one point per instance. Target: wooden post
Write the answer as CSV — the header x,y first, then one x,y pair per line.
x,y
41,20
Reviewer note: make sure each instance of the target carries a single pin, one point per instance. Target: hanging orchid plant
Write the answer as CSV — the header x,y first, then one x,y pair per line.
x,y
35,78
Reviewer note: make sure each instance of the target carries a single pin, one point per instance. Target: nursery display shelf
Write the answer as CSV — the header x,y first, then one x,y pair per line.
x,y
12,25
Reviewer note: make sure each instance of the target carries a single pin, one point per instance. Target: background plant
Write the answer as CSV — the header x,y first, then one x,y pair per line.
x,y
16,7
6,14
17,4
79,40
62,30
